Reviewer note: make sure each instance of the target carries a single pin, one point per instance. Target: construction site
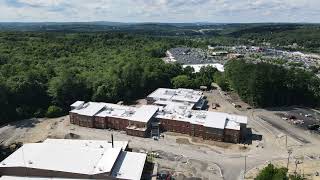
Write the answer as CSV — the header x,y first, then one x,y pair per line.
x,y
184,156
170,110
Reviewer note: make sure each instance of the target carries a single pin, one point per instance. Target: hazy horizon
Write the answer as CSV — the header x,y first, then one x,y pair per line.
x,y
161,11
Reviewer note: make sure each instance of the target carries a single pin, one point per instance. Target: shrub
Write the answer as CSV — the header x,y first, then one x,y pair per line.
x,y
54,111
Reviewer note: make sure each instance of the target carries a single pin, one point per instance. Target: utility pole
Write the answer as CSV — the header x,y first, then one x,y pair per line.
x,y
245,166
289,152
286,141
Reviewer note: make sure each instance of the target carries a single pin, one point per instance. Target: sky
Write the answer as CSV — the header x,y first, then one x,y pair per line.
x,y
215,11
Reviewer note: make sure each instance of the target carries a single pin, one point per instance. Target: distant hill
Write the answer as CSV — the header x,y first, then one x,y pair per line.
x,y
162,29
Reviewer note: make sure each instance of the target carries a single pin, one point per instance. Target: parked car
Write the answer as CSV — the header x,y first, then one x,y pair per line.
x,y
314,127
156,138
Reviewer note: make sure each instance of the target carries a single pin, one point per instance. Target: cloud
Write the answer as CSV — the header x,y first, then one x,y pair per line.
x,y
161,10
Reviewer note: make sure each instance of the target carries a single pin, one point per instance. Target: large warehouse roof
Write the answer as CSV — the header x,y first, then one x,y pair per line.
x,y
96,144
78,157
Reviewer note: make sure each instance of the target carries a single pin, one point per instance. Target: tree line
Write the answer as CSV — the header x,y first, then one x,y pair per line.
x,y
41,74
267,85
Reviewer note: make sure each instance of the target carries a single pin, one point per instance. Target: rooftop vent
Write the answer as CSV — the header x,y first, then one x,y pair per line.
x,y
188,114
85,105
109,108
201,116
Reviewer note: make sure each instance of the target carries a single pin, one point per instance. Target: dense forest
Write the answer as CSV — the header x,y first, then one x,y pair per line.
x,y
267,85
42,73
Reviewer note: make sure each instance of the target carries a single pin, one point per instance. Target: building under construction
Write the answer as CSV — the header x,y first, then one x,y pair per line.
x,y
173,112
135,121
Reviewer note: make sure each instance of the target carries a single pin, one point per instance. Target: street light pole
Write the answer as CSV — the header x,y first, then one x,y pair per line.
x,y
245,166
289,152
286,141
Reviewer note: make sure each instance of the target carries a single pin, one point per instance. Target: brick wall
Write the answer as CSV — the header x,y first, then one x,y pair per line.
x,y
133,132
138,124
117,123
231,135
73,118
213,134
85,121
198,130
175,126
100,122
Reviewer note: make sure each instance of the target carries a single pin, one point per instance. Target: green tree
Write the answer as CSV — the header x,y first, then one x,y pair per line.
x,y
272,173
67,88
54,111
182,81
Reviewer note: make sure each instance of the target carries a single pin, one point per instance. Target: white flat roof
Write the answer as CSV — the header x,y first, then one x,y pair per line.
x,y
54,157
162,94
180,94
140,114
232,125
77,104
129,165
175,105
30,178
206,118
144,113
107,161
89,109
92,144
117,111
77,156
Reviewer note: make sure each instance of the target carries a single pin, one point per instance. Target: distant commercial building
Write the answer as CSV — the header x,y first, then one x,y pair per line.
x,y
135,121
197,67
176,110
73,159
